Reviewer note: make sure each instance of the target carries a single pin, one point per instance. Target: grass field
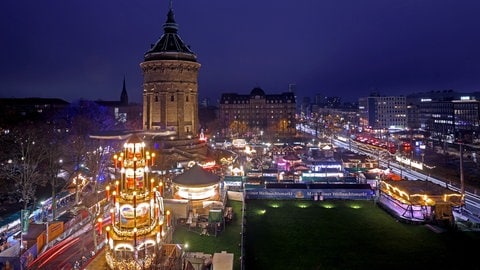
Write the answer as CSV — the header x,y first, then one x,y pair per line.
x,y
228,240
348,235
343,235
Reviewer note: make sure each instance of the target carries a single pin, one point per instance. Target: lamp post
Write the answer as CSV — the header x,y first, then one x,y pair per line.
x,y
410,161
462,185
76,182
43,211
44,220
185,246
56,168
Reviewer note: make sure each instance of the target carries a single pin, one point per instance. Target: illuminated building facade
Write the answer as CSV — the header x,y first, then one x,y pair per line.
x,y
170,101
258,113
140,230
170,89
170,98
378,112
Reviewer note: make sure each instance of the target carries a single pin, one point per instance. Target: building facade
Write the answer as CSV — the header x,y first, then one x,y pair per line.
x,y
447,115
377,112
170,99
258,114
125,113
170,88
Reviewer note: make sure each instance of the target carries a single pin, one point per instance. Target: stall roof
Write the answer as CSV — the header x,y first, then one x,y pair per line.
x,y
34,230
222,261
420,187
196,176
421,192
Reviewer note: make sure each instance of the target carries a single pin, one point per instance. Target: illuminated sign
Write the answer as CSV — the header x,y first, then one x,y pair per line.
x,y
409,162
308,194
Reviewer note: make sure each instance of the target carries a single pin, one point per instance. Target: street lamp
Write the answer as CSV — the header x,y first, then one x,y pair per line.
x,y
462,185
43,211
57,167
185,246
44,220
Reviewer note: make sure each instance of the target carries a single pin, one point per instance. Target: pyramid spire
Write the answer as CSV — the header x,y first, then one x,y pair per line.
x,y
170,45
124,95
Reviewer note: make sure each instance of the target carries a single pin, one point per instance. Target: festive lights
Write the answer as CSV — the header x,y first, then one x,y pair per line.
x,y
100,223
112,216
168,218
108,233
114,195
136,214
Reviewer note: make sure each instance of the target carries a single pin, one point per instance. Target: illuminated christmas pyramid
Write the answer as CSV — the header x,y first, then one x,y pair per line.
x,y
140,232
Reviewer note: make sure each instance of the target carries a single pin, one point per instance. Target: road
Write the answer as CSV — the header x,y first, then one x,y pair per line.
x,y
63,255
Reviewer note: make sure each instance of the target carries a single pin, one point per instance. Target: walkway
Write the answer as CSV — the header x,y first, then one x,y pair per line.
x,y
98,262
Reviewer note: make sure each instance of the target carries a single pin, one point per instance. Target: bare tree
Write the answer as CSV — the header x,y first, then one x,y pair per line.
x,y
53,165
86,118
23,151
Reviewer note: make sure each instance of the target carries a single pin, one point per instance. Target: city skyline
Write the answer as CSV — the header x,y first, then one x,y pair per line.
x,y
334,48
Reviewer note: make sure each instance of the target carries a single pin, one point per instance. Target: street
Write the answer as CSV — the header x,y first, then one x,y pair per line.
x,y
64,255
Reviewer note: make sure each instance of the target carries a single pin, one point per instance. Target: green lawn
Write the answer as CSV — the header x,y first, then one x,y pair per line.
x,y
347,235
228,240
333,235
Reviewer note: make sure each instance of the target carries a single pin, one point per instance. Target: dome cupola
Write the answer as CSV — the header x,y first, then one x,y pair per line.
x,y
170,46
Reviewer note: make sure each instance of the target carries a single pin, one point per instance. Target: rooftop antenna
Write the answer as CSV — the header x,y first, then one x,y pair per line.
x,y
171,4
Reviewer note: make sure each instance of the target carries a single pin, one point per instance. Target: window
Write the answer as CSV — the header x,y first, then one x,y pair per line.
x,y
172,98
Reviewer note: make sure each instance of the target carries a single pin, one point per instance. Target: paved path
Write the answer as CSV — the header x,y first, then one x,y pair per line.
x,y
98,262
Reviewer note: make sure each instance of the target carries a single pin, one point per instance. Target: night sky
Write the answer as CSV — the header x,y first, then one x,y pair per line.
x,y
346,48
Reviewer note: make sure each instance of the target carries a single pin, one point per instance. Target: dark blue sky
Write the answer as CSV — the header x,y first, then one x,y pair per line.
x,y
346,48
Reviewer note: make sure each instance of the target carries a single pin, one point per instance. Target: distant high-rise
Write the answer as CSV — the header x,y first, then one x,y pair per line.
x,y
292,88
170,90
378,112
